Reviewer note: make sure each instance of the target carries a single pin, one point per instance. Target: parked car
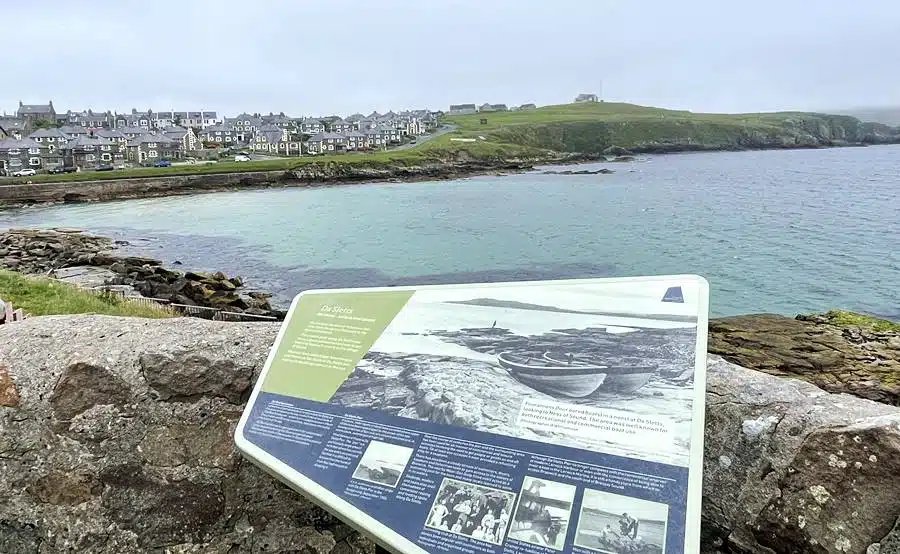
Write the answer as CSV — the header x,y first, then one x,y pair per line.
x,y
27,172
242,158
104,167
60,169
163,163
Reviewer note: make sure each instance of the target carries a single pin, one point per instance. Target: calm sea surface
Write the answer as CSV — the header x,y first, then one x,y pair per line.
x,y
776,231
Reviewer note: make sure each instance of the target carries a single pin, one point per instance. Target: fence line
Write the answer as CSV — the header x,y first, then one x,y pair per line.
x,y
204,312
10,314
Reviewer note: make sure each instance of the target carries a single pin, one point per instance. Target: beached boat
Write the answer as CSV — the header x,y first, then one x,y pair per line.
x,y
623,380
554,378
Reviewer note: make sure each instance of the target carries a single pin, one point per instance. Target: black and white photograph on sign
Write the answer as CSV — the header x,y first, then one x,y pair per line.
x,y
614,524
543,512
602,368
475,511
383,463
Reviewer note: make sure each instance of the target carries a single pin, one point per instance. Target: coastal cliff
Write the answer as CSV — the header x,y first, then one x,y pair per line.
x,y
666,134
115,436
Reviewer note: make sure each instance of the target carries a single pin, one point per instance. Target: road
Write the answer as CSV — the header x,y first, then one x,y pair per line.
x,y
425,138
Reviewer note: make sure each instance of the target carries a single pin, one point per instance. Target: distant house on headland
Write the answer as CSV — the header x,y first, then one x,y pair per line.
x,y
586,98
462,109
493,108
527,107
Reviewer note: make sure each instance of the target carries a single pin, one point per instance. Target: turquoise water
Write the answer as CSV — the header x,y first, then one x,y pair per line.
x,y
774,231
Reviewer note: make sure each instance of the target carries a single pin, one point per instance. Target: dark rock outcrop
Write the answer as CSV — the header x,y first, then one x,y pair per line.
x,y
856,359
38,251
148,463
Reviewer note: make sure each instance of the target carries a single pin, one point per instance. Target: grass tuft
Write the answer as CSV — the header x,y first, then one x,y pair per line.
x,y
39,296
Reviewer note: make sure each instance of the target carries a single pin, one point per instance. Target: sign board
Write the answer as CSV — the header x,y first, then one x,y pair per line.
x,y
529,417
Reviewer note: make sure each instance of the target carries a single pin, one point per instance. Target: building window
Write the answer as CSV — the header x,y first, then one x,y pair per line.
x,y
38,139
90,157
227,139
15,162
13,152
51,148
152,153
34,161
106,147
50,139
105,157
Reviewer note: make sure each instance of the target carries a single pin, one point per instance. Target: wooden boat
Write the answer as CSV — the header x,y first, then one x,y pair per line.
x,y
554,378
622,380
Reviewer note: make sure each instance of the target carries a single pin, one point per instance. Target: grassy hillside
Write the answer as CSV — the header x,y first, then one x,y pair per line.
x,y
37,296
593,127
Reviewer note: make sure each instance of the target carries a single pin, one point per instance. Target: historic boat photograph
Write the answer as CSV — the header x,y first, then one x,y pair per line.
x,y
383,463
459,357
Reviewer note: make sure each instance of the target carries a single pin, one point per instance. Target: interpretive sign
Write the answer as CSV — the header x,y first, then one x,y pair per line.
x,y
529,417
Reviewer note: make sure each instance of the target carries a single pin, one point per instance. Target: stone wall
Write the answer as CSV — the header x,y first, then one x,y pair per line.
x,y
116,436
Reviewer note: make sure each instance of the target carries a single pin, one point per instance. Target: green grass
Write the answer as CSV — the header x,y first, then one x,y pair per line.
x,y
38,296
592,127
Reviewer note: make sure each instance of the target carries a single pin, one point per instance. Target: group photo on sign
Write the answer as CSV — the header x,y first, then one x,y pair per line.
x,y
472,510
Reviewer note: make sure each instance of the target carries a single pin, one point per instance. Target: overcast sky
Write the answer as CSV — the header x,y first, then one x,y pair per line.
x,y
343,56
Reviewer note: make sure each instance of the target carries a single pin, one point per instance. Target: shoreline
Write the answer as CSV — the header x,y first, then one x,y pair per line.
x,y
331,174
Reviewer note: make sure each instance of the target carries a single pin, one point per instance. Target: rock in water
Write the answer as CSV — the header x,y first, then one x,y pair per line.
x,y
145,461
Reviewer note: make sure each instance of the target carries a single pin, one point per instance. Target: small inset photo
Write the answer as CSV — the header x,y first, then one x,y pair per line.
x,y
475,511
542,516
383,463
615,524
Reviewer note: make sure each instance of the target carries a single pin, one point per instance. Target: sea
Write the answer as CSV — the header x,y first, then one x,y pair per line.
x,y
785,231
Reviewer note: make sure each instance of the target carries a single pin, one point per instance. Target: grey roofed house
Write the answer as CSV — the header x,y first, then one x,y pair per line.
x,y
374,115
221,127
271,133
18,144
354,117
586,97
10,123
527,106
85,142
174,131
73,130
462,108
322,137
150,138
354,134
36,109
111,134
48,133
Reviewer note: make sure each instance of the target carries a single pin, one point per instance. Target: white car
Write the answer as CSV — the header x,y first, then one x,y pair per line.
x,y
242,158
27,172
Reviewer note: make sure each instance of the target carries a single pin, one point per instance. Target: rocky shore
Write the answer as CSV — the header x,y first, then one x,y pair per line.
x,y
89,260
20,192
120,440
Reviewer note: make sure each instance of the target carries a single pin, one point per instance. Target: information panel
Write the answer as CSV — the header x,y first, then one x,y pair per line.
x,y
527,417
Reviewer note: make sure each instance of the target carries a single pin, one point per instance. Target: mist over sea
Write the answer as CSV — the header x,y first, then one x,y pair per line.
x,y
773,231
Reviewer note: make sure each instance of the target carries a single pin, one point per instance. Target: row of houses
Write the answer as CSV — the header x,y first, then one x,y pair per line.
x,y
145,137
463,109
54,147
